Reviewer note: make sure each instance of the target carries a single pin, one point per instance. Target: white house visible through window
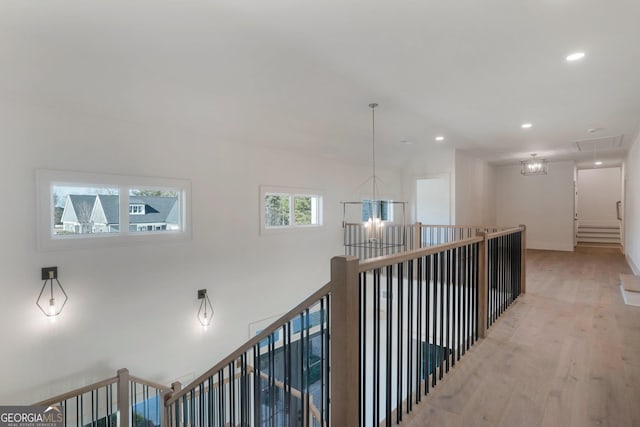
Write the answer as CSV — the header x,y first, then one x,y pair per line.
x,y
73,207
289,209
156,209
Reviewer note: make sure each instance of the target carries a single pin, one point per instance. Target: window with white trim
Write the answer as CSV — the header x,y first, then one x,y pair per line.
x,y
136,209
383,209
289,208
78,209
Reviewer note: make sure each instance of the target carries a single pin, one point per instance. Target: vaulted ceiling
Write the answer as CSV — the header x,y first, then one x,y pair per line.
x,y
300,74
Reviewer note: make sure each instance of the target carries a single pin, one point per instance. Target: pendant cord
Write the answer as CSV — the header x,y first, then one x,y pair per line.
x,y
373,157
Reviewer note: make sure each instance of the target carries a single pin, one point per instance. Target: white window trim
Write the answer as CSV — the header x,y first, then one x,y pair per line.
x,y
291,192
46,179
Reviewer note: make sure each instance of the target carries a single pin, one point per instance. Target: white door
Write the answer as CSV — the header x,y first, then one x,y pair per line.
x,y
433,200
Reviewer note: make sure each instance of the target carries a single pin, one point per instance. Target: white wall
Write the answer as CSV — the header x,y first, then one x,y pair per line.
x,y
598,191
474,191
543,203
135,306
632,207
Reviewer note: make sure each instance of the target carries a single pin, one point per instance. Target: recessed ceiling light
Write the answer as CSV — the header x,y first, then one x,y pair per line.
x,y
598,163
439,138
575,56
526,125
406,142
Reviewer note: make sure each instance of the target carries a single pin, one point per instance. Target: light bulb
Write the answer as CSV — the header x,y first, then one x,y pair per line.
x,y
52,307
205,320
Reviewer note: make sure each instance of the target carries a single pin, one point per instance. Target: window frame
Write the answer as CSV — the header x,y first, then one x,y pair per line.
x,y
291,193
390,207
46,179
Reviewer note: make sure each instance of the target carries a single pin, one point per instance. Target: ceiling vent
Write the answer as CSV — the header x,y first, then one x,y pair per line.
x,y
601,144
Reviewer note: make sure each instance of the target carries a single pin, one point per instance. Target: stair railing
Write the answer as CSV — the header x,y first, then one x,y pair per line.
x,y
123,400
362,351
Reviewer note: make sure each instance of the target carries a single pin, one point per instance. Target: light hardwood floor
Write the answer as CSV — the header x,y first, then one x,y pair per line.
x,y
565,354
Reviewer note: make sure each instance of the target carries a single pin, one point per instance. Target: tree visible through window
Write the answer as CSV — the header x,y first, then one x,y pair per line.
x,y
304,210
277,210
282,210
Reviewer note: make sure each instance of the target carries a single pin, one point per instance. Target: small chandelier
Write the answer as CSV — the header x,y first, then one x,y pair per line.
x,y
52,298
205,312
534,166
374,225
374,212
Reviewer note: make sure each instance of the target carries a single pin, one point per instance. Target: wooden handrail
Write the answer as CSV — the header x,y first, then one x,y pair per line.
x,y
466,226
150,384
315,297
504,232
77,392
384,261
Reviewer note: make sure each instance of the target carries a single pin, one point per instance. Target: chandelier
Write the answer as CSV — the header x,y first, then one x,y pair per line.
x,y
372,213
534,166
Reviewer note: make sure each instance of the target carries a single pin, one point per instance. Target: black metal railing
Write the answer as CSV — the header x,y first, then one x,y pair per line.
x,y
504,272
431,235
393,239
418,316
122,400
363,350
279,378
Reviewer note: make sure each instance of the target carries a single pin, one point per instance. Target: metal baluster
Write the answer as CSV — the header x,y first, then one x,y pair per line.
x,y
389,336
410,347
232,392
270,378
435,319
399,333
418,362
443,273
458,285
362,278
257,389
376,346
429,311
308,367
476,248
221,399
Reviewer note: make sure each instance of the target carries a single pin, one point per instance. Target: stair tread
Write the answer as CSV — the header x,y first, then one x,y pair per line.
x,y
630,282
607,227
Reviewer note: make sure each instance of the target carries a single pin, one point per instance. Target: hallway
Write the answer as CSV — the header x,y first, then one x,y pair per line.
x,y
565,354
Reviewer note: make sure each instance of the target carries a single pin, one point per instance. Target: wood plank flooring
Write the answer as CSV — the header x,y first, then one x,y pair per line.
x,y
565,354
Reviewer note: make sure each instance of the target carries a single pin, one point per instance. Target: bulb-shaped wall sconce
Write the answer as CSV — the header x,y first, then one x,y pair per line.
x,y
52,298
205,312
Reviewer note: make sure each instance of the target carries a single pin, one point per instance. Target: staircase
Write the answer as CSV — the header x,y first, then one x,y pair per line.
x,y
608,234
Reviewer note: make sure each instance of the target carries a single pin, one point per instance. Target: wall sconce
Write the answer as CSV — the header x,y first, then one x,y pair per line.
x,y
53,300
205,312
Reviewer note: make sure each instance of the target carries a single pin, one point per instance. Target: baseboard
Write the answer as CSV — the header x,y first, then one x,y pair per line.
x,y
550,246
633,266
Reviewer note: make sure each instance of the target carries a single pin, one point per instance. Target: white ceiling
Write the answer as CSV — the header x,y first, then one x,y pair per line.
x,y
300,74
